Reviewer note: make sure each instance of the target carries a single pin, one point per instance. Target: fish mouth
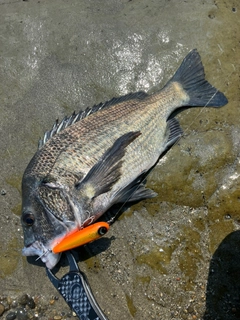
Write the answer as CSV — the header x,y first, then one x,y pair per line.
x,y
43,252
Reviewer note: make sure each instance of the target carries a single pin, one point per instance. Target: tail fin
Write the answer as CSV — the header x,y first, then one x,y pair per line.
x,y
191,76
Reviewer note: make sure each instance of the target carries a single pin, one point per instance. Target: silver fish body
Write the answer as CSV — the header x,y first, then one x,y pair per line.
x,y
100,156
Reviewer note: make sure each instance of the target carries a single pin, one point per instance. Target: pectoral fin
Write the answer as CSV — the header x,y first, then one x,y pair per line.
x,y
106,172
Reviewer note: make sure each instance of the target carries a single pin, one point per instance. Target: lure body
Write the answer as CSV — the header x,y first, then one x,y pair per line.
x,y
81,237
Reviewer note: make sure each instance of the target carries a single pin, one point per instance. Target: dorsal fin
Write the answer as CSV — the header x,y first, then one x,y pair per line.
x,y
75,117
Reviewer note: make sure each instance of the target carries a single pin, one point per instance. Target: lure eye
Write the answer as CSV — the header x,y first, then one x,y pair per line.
x,y
102,231
28,219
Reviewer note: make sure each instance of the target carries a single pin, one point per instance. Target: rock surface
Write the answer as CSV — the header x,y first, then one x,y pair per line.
x,y
172,257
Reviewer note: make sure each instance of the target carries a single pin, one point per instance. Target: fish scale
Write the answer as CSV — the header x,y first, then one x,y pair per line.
x,y
101,156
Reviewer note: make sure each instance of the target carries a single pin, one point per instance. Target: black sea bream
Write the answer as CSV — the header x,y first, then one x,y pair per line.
x,y
99,157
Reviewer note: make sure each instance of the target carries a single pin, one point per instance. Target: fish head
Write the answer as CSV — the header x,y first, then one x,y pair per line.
x,y
46,217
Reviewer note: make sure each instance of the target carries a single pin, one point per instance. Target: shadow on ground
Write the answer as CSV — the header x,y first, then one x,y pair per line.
x,y
223,288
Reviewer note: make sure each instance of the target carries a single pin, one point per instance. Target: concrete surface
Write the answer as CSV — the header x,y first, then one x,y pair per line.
x,y
173,257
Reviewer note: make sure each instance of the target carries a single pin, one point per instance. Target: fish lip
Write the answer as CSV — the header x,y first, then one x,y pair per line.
x,y
34,248
43,252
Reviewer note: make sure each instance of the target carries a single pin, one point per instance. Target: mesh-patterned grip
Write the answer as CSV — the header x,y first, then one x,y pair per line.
x,y
72,290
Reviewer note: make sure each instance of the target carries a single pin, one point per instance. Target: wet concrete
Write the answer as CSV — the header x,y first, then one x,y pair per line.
x,y
156,261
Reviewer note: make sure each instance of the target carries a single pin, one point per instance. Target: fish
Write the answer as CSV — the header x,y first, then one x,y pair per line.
x,y
101,156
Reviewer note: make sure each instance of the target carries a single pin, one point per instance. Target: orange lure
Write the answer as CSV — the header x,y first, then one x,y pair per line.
x,y
81,237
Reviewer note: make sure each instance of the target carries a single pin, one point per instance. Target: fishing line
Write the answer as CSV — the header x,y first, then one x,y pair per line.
x,y
43,254
202,109
111,221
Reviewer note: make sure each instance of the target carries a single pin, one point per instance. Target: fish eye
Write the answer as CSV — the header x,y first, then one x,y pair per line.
x,y
102,231
28,219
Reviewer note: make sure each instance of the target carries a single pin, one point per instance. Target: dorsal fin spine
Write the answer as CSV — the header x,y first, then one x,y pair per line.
x,y
75,117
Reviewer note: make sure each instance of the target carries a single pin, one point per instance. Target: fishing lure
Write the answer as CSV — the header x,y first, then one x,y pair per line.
x,y
81,237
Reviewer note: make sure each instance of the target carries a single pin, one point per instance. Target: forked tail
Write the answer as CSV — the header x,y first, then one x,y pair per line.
x,y
191,76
